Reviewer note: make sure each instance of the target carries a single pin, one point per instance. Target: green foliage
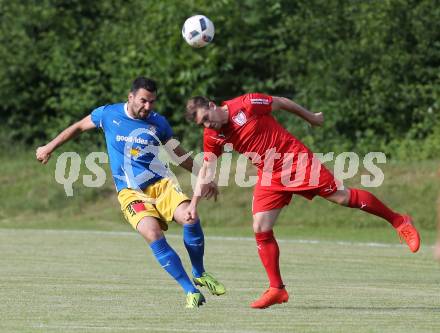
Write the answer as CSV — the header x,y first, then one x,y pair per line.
x,y
371,66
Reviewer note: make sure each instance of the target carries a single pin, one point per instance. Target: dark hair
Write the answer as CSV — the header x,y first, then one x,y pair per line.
x,y
193,105
145,83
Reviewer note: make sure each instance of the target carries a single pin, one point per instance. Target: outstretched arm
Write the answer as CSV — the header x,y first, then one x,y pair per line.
x,y
43,153
283,103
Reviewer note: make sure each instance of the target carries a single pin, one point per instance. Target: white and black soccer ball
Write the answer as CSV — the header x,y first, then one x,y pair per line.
x,y
198,31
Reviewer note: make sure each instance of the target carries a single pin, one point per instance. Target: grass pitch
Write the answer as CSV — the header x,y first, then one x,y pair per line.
x,y
90,281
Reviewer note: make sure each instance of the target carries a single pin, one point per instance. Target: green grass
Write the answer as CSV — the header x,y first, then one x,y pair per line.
x,y
77,277
89,281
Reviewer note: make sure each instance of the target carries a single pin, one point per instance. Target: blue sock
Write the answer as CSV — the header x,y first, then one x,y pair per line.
x,y
195,245
170,261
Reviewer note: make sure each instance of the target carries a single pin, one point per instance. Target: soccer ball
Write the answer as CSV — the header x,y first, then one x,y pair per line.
x,y
198,31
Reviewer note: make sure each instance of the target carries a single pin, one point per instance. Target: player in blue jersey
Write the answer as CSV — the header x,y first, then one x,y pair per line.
x,y
148,195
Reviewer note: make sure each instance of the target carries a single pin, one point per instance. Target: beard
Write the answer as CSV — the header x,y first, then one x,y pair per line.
x,y
140,112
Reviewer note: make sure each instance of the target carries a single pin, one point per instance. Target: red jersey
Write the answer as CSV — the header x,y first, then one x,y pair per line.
x,y
254,132
284,163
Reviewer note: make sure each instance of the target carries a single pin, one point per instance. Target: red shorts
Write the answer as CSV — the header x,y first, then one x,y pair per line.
x,y
277,196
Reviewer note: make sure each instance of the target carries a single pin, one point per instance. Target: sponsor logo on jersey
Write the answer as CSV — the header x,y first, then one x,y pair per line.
x,y
263,101
135,151
133,139
240,118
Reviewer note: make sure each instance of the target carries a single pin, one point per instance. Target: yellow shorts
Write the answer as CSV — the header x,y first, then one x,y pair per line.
x,y
158,200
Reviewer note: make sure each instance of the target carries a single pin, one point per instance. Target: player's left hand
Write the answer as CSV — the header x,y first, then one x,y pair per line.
x,y
191,212
210,190
317,119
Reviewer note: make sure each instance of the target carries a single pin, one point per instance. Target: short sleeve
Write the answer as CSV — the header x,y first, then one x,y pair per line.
x,y
166,132
259,103
97,116
212,146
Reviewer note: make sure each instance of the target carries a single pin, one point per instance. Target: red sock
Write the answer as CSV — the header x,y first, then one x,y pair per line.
x,y
369,203
270,254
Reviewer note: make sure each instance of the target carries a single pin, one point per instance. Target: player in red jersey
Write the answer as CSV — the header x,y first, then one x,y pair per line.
x,y
285,167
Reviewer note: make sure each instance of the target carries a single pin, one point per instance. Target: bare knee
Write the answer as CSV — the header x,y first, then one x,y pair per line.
x,y
340,197
257,226
150,229
180,214
264,221
261,227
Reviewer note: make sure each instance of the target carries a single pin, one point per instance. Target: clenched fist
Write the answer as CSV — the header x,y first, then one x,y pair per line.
x,y
43,154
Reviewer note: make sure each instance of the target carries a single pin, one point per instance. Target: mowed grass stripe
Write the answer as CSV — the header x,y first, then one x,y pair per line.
x,y
227,238
105,282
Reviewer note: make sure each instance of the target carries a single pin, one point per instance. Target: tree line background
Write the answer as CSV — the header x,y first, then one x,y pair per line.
x,y
372,67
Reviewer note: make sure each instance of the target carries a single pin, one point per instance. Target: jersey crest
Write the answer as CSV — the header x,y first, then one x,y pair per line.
x,y
240,118
152,130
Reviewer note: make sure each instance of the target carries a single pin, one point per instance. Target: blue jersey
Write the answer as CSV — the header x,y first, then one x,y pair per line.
x,y
133,145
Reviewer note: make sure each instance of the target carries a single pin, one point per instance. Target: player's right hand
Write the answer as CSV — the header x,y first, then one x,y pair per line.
x,y
318,119
43,154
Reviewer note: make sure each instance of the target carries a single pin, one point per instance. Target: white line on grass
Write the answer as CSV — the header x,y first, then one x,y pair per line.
x,y
220,238
122,328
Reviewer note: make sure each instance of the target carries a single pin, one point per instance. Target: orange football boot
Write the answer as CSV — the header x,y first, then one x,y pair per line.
x,y
409,233
270,297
